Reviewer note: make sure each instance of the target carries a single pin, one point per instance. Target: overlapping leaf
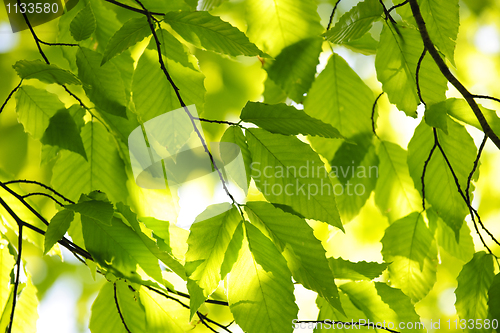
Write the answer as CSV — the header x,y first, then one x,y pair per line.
x,y
494,298
103,84
354,172
105,316
474,281
153,94
286,120
235,135
356,22
131,32
442,21
395,193
58,226
361,270
260,289
84,24
277,160
294,68
273,25
34,109
211,33
410,248
104,170
208,242
48,73
64,133
308,264
396,64
440,188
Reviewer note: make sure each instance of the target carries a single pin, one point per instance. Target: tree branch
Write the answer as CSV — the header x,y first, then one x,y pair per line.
x,y
118,308
449,76
10,96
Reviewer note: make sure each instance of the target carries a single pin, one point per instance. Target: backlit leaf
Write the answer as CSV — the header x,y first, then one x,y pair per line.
x,y
47,73
84,24
58,226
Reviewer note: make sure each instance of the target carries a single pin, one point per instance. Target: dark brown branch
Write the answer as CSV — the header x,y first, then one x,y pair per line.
x,y
487,97
417,75
217,121
137,10
422,179
449,76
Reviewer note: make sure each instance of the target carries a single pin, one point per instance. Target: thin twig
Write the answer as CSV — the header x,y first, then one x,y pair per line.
x,y
373,114
25,181
417,77
143,11
487,97
217,121
332,14
422,178
10,96
398,5
449,76
42,194
119,310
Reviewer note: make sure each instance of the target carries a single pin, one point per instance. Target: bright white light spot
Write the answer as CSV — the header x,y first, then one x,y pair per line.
x,y
487,39
8,39
57,311
446,302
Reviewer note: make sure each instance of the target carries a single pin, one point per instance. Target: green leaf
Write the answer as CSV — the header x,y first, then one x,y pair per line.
x,y
361,270
209,4
327,312
340,98
47,73
153,94
474,281
104,312
364,295
163,314
356,22
366,44
171,48
34,109
211,33
435,116
106,24
84,24
494,298
460,110
442,21
402,305
118,248
295,67
445,237
155,234
26,314
286,120
311,269
131,32
98,210
440,188
64,133
273,94
396,64
354,172
104,170
277,160
260,289
58,226
410,248
208,242
234,134
7,263
277,24
103,85
395,194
